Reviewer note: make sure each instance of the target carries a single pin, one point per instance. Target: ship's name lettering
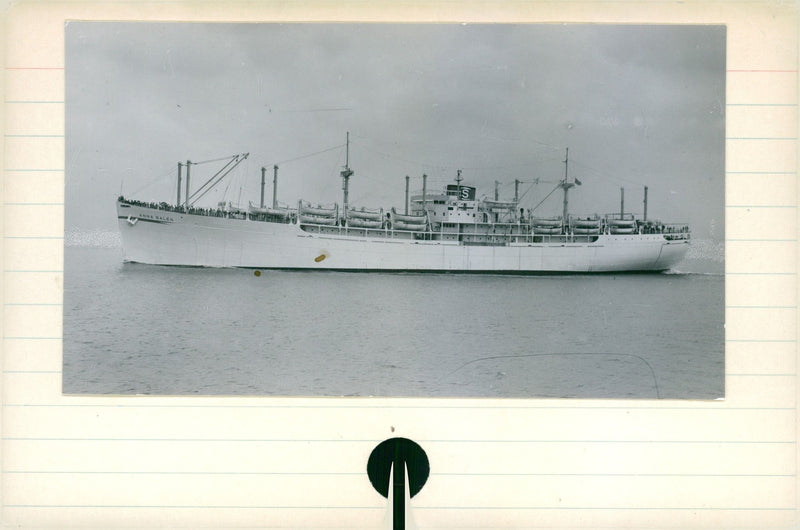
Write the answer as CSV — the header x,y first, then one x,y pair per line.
x,y
156,217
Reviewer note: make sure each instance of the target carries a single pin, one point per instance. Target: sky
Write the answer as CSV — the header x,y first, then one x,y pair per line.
x,y
636,106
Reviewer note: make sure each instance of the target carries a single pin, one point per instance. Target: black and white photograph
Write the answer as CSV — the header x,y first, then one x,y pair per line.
x,y
394,210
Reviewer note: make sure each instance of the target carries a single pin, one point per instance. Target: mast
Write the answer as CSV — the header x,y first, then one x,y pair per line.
x,y
458,184
406,211
275,186
565,185
645,203
516,191
424,191
496,197
346,174
188,165
263,170
621,202
178,202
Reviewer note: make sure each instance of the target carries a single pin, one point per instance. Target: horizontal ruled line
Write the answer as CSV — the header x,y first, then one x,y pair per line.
x,y
32,371
33,204
31,338
761,138
445,474
604,508
760,307
33,135
760,375
727,273
211,473
761,104
33,304
688,408
186,440
193,507
763,340
788,206
370,441
34,67
763,71
383,507
15,271
761,172
688,442
34,170
33,102
33,237
760,240
698,475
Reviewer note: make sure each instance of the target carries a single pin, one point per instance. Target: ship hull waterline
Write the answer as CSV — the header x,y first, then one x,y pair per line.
x,y
160,237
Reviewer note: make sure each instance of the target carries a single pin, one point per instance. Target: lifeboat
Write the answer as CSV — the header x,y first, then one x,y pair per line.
x,y
500,205
363,223
280,212
363,213
585,223
621,226
403,225
317,210
627,223
256,209
547,230
317,220
622,230
544,222
412,219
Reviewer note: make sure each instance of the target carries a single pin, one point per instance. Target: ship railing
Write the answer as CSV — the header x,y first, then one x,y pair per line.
x,y
619,216
677,237
676,231
338,229
492,239
234,213
163,206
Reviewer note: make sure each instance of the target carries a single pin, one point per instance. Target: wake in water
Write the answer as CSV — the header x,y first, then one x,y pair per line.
x,y
705,256
92,238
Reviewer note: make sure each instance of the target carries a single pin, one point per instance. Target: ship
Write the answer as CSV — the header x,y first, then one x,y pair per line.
x,y
450,230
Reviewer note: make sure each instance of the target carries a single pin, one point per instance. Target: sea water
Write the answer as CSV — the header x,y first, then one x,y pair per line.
x,y
143,329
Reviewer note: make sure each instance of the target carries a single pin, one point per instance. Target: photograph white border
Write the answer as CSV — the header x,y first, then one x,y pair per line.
x,y
300,462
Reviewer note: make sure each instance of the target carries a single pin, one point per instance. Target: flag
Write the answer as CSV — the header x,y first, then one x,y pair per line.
x,y
578,182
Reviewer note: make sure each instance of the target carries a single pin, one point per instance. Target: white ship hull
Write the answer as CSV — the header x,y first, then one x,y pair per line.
x,y
165,237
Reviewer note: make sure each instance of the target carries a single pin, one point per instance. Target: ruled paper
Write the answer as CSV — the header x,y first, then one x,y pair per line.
x,y
300,463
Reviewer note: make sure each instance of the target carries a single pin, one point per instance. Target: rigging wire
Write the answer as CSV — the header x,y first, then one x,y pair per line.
x,y
524,193
208,161
545,198
603,174
152,181
445,167
241,176
309,155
